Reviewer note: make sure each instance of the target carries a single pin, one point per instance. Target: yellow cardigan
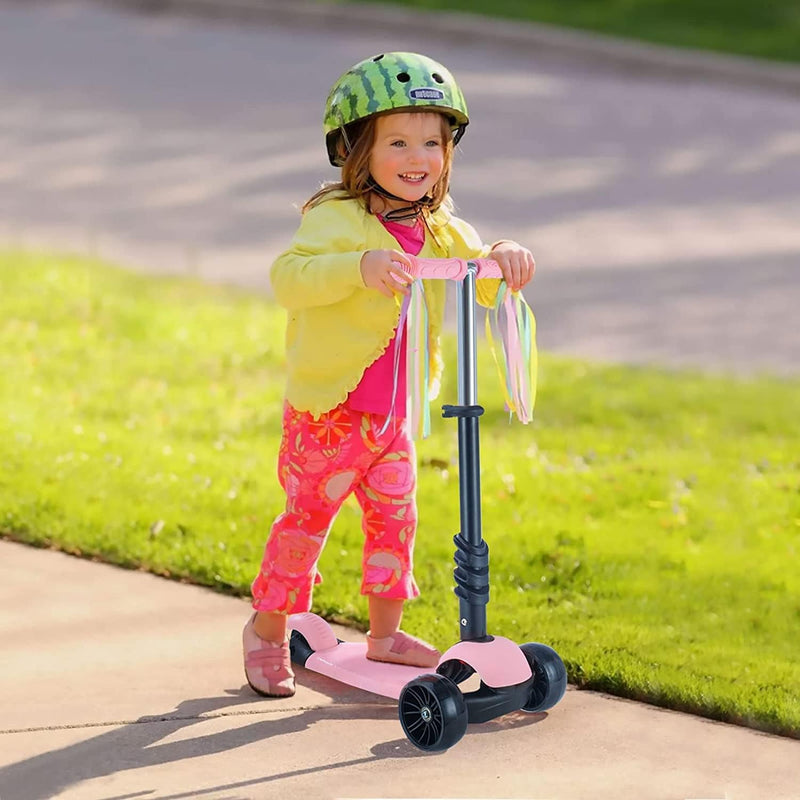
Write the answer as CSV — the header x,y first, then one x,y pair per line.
x,y
336,326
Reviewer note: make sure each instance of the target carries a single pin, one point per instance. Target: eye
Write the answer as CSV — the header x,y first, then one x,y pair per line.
x,y
398,143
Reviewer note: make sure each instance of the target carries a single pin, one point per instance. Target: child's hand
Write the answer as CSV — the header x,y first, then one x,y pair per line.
x,y
516,263
382,270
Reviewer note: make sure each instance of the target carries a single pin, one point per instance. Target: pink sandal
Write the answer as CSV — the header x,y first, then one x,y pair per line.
x,y
401,648
267,665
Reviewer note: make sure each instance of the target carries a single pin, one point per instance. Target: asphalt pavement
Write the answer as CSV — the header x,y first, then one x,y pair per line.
x,y
663,209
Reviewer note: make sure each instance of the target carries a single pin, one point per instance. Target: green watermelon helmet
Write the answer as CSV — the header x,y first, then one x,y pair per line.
x,y
389,82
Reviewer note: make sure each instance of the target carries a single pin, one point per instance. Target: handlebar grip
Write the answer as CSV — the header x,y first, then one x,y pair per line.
x,y
453,268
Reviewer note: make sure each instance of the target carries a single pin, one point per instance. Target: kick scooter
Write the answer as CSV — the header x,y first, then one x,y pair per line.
x,y
433,710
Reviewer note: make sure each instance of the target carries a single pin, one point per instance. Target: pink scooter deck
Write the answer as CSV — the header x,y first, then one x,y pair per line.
x,y
348,663
498,662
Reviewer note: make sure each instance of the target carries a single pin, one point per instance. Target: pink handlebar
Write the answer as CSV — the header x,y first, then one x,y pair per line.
x,y
452,268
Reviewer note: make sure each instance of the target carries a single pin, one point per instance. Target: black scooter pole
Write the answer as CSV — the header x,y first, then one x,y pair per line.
x,y
472,553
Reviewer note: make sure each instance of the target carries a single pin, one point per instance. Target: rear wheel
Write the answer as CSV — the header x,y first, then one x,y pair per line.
x,y
432,712
549,676
299,648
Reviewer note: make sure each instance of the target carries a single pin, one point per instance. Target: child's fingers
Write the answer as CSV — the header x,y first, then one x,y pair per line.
x,y
401,263
398,282
511,271
400,257
528,267
399,277
518,269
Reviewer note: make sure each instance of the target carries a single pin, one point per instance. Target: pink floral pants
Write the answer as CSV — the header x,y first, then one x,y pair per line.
x,y
320,463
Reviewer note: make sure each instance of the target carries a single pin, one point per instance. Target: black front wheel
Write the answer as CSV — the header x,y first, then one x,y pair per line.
x,y
432,712
549,676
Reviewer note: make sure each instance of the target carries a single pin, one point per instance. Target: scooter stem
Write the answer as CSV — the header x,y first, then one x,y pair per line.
x,y
472,553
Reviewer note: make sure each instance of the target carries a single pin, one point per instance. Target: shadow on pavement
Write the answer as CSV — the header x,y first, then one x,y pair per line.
x,y
135,745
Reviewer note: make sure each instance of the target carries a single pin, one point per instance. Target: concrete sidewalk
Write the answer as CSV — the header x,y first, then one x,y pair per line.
x,y
119,684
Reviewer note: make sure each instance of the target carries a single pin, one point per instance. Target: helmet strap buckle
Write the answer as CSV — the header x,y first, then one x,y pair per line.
x,y
411,211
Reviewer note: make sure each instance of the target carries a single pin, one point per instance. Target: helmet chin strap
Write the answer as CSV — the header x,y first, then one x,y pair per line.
x,y
411,211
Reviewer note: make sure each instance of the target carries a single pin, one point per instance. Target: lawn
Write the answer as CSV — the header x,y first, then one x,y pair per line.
x,y
646,524
769,29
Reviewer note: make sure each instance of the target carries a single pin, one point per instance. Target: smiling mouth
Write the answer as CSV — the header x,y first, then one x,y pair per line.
x,y
413,177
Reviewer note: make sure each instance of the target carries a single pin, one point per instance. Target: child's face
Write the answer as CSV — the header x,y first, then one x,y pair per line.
x,y
407,157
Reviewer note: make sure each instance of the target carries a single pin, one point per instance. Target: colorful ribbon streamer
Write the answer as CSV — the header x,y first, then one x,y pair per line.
x,y
515,324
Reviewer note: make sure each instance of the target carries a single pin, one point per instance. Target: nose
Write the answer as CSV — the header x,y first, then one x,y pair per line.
x,y
416,154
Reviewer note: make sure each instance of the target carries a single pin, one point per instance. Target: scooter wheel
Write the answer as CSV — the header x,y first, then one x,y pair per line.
x,y
433,712
549,676
299,648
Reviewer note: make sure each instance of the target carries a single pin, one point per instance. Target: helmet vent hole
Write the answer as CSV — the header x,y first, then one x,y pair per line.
x,y
437,77
378,58
403,77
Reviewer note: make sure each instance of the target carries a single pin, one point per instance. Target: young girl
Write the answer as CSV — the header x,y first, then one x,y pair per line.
x,y
391,123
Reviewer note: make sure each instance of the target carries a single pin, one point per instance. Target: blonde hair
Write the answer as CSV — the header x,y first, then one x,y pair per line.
x,y
356,181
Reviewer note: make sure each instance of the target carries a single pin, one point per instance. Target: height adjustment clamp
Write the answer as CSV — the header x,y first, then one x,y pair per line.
x,y
462,411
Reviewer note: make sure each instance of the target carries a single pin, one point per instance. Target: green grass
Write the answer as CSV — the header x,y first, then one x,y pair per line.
x,y
646,525
769,29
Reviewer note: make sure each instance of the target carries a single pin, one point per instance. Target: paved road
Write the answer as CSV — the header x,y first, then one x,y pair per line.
x,y
663,212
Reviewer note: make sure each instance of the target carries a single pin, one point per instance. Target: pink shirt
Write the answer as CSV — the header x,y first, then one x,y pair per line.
x,y
374,391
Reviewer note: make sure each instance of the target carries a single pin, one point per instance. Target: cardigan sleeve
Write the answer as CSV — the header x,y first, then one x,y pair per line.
x,y
323,262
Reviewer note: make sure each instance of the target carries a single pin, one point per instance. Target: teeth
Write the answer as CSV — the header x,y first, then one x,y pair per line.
x,y
413,176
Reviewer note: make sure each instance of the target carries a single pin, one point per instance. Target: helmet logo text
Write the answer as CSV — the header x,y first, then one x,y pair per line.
x,y
427,93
